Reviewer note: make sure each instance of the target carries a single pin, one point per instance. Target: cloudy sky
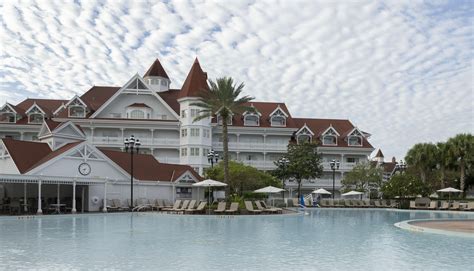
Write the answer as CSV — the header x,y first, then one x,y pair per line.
x,y
401,70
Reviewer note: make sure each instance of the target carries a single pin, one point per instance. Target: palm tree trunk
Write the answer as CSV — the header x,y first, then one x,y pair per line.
x,y
443,176
463,176
225,140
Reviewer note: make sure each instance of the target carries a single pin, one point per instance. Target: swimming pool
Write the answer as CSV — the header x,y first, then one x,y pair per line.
x,y
324,239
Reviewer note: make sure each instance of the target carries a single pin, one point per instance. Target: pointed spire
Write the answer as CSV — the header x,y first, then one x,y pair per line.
x,y
156,69
195,81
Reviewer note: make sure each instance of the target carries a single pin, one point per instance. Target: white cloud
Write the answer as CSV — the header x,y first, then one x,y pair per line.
x,y
401,70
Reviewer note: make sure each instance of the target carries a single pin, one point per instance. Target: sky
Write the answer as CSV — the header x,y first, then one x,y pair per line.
x,y
400,70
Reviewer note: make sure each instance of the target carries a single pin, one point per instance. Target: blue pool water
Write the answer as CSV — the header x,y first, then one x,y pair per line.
x,y
322,239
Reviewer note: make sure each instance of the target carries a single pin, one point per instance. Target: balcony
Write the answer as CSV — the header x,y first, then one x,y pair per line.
x,y
342,166
251,146
266,165
146,142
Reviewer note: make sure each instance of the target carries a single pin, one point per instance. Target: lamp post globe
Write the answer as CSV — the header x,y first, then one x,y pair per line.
x,y
212,157
334,165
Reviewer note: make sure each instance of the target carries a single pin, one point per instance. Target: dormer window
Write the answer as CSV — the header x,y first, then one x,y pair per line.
x,y
138,111
7,114
77,111
251,120
355,138
304,135
35,114
330,137
219,120
278,118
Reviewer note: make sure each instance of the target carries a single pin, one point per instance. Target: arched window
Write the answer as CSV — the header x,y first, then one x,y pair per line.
x,y
251,120
137,114
278,120
329,140
77,111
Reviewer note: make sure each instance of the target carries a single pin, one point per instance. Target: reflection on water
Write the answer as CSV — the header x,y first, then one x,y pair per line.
x,y
322,239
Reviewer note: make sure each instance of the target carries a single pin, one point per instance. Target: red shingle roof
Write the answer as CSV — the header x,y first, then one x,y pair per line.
x,y
97,96
343,127
47,105
379,153
55,153
195,82
156,69
149,168
171,98
25,154
52,124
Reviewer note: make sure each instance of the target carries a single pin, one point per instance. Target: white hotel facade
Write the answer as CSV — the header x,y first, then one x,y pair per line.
x,y
162,118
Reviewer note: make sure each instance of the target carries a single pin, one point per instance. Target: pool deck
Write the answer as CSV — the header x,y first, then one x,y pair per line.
x,y
466,226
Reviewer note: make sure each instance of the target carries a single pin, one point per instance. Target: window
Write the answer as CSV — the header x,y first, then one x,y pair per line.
x,y
355,141
164,83
184,132
7,117
184,192
303,138
194,151
278,120
352,160
329,140
206,133
251,120
184,152
205,152
194,132
35,118
194,113
183,113
219,120
137,114
76,111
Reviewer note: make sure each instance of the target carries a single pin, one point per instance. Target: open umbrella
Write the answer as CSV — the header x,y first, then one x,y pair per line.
x,y
449,190
353,193
321,191
269,190
209,183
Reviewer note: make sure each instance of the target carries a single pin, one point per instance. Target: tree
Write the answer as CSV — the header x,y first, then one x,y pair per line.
x,y
422,157
223,99
304,163
242,177
363,177
461,149
444,160
405,185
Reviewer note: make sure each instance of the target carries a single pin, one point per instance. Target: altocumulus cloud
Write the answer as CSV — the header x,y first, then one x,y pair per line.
x,y
401,70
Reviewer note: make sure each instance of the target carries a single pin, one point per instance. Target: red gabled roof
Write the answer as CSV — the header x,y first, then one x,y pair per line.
x,y
25,154
171,98
265,109
387,167
379,153
47,105
97,96
149,168
55,153
195,82
343,127
52,124
156,69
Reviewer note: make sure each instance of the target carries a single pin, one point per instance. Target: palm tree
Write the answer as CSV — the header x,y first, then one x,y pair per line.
x,y
444,160
422,156
460,147
222,99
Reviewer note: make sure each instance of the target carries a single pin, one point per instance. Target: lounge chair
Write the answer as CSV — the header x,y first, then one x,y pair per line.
x,y
158,205
187,207
359,203
200,209
296,203
330,203
182,208
111,206
412,204
167,204
433,205
444,205
271,207
323,203
470,206
249,207
347,203
221,206
265,210
454,206
337,203
366,203
234,208
176,205
393,204
118,204
385,203
308,203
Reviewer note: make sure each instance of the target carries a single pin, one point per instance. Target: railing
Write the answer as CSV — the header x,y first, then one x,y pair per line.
x,y
342,166
168,160
252,146
259,164
145,141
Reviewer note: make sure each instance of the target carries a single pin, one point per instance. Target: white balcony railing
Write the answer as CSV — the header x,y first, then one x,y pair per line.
x,y
259,164
109,140
342,166
251,146
168,160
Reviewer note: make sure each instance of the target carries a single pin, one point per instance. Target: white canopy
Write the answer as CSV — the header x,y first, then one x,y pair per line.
x,y
321,191
450,189
209,183
352,193
269,189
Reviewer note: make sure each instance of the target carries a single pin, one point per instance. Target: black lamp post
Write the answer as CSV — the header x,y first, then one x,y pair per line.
x,y
284,163
334,165
132,144
402,166
212,157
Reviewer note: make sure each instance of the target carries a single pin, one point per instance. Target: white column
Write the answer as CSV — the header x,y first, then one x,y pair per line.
x,y
92,134
122,129
151,141
21,135
25,203
73,210
238,143
342,161
104,209
39,211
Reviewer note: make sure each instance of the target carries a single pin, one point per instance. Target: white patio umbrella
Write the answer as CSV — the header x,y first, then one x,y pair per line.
x,y
449,190
321,191
209,183
353,193
269,190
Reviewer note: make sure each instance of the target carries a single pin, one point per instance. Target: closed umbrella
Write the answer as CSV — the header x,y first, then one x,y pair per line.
x,y
449,190
269,190
209,183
